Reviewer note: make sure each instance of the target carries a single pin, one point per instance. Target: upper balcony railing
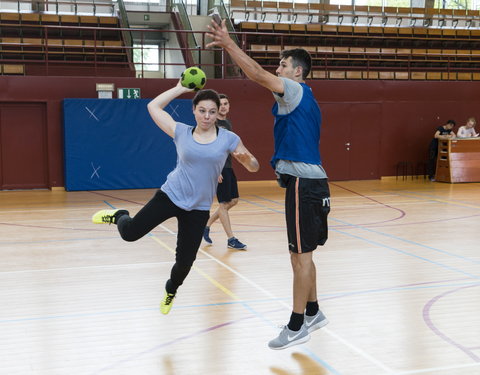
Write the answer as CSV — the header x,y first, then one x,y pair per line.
x,y
48,52
301,12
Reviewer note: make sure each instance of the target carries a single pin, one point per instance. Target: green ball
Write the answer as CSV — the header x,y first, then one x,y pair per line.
x,y
193,78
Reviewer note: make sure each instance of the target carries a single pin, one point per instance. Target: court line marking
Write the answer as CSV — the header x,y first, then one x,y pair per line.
x,y
418,371
258,287
153,349
377,204
423,258
444,252
433,198
404,252
289,307
234,296
106,266
324,297
362,227
433,327
363,239
372,206
226,290
223,289
196,333
413,371
402,212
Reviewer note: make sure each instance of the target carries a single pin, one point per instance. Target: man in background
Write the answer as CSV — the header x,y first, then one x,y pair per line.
x,y
227,190
443,132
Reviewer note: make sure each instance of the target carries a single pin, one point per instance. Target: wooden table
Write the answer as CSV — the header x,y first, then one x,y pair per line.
x,y
458,160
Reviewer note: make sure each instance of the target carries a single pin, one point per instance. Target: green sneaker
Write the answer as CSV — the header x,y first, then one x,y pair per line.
x,y
108,216
166,303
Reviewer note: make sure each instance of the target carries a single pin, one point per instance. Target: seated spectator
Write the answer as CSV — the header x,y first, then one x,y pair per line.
x,y
468,130
444,133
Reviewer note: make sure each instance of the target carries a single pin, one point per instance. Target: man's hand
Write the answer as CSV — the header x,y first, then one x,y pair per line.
x,y
219,35
252,69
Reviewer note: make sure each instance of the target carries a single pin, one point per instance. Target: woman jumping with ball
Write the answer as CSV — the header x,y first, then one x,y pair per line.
x,y
189,190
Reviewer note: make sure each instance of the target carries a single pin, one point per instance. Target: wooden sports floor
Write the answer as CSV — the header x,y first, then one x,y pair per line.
x,y
399,280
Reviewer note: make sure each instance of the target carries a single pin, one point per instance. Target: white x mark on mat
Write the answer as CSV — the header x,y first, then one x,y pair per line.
x,y
95,171
174,110
92,113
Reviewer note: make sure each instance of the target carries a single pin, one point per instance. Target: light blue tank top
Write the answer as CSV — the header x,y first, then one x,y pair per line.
x,y
193,183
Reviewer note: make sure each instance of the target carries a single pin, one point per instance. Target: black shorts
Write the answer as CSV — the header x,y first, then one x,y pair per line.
x,y
307,204
228,189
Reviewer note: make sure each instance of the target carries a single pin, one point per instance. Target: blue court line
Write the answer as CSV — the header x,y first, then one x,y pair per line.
x,y
319,360
446,200
262,205
435,200
432,198
396,289
407,241
408,253
323,296
268,200
387,235
108,204
374,243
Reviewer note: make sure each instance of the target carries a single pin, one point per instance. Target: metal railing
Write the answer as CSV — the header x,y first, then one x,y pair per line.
x,y
51,50
126,34
77,7
192,44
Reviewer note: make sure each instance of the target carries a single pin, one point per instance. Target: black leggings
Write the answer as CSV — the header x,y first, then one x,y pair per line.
x,y
190,231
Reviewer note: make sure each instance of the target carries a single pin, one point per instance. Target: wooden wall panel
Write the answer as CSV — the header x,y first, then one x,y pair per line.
x,y
408,114
23,146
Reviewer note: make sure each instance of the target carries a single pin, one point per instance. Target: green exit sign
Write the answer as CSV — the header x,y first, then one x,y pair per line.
x,y
128,93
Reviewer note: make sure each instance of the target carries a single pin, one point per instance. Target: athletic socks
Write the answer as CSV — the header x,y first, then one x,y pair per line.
x,y
312,308
296,321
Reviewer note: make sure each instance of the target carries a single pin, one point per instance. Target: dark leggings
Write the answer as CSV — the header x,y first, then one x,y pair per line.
x,y
432,162
190,231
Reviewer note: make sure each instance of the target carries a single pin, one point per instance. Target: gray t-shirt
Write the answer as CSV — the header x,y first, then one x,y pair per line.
x,y
193,183
226,124
287,103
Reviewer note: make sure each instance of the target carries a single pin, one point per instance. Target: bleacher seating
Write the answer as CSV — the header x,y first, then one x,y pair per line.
x,y
31,39
12,69
364,42
363,52
280,11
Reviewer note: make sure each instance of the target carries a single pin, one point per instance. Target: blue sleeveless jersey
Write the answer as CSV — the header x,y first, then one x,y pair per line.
x,y
297,134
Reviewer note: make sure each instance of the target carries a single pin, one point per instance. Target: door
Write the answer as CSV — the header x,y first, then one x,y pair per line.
x,y
23,146
350,143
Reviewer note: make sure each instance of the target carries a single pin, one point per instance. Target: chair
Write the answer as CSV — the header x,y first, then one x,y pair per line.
x,y
421,169
404,169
